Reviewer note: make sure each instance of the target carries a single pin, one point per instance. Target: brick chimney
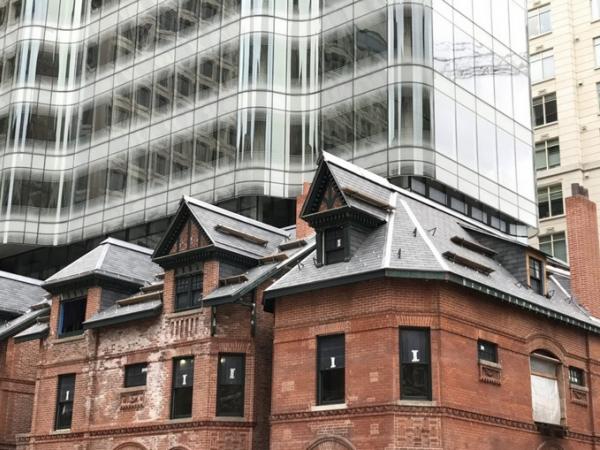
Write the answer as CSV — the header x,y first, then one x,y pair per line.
x,y
303,230
584,249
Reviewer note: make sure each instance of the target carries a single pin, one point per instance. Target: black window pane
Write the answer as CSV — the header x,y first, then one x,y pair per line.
x,y
182,392
135,375
551,111
487,351
576,376
331,369
231,385
64,401
334,245
415,370
72,316
188,291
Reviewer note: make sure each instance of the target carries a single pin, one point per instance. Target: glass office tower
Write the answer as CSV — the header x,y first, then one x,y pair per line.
x,y
111,110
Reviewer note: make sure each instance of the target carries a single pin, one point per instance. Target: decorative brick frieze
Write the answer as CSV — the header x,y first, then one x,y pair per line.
x,y
490,372
132,399
579,395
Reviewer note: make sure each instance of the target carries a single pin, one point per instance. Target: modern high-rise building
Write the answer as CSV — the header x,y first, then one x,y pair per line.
x,y
112,110
564,43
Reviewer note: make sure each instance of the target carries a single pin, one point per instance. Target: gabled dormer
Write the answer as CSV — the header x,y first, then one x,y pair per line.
x,y
343,207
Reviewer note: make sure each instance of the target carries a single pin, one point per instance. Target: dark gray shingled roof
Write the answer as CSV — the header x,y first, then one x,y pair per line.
x,y
212,217
37,331
113,258
412,243
18,293
118,314
25,320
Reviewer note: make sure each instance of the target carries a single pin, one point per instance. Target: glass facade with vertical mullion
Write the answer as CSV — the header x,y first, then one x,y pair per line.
x,y
142,102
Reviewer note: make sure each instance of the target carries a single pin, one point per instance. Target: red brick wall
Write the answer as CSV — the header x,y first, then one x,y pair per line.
x,y
370,314
584,251
303,230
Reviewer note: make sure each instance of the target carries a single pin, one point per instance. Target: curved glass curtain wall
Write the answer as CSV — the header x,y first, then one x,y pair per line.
x,y
113,111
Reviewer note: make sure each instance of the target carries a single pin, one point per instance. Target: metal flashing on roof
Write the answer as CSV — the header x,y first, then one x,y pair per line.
x,y
292,244
240,234
367,199
235,279
117,315
450,256
474,246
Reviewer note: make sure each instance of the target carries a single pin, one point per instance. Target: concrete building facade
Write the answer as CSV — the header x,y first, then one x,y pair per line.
x,y
565,55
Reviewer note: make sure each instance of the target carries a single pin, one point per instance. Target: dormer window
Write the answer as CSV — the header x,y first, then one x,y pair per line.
x,y
71,317
188,290
536,275
334,245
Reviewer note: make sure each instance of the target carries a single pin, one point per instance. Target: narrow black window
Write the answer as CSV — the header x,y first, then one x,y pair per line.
x,y
135,375
188,291
487,351
64,402
576,376
71,318
331,365
415,364
333,243
183,387
536,281
231,384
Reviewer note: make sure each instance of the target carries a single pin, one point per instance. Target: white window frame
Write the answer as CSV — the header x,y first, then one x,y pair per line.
x,y
595,9
552,238
545,149
542,63
535,15
546,398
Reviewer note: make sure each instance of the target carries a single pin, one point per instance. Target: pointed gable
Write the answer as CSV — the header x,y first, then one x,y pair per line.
x,y
191,236
331,196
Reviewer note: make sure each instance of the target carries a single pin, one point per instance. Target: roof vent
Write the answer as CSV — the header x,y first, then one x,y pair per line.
x,y
361,196
292,244
239,234
467,263
236,279
473,246
279,257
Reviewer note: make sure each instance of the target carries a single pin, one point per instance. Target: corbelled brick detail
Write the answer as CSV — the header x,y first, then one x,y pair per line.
x,y
303,229
584,249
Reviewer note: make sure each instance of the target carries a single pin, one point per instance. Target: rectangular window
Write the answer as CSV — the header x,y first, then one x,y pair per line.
x,y
487,351
550,201
545,109
542,66
576,376
595,9
231,385
554,244
135,375
188,291
597,51
71,317
64,401
539,21
415,364
545,393
331,364
183,387
547,154
536,275
333,245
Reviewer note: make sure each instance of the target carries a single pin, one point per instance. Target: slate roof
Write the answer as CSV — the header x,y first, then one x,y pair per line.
x,y
25,320
18,293
412,242
37,331
212,217
114,259
118,314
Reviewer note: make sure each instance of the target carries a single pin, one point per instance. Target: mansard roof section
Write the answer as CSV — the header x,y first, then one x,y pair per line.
x,y
112,261
223,230
18,293
422,240
336,186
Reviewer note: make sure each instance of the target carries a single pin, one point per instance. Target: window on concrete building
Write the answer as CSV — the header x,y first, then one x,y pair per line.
x,y
487,351
231,385
554,244
64,402
545,109
71,317
595,9
331,367
550,201
536,275
183,387
188,290
597,50
545,393
542,66
547,154
415,364
334,245
135,375
539,21
576,376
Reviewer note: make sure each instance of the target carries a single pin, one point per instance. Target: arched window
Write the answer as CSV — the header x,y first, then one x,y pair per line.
x,y
545,388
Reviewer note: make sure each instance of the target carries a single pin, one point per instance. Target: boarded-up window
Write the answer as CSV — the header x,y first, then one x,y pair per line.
x,y
545,394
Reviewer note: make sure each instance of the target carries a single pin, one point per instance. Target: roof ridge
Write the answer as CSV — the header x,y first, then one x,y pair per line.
x,y
102,257
127,245
21,278
236,216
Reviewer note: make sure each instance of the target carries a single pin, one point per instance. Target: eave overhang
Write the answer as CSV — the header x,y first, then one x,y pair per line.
x,y
91,279
112,321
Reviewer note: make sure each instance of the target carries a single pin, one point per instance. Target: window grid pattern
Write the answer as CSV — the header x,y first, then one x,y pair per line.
x,y
545,109
540,21
550,201
487,351
542,66
554,244
415,364
547,154
64,402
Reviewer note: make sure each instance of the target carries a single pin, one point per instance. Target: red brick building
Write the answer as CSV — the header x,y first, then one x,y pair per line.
x,y
411,327
166,350
21,304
